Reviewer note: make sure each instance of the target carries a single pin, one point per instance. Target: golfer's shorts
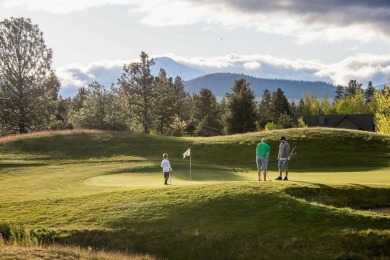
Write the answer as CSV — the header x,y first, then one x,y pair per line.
x,y
283,164
262,163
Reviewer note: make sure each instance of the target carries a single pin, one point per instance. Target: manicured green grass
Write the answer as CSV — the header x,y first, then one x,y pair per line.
x,y
104,190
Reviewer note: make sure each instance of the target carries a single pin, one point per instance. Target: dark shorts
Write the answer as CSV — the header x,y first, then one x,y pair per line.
x,y
166,175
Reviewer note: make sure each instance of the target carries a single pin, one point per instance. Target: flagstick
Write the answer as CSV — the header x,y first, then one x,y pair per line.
x,y
190,167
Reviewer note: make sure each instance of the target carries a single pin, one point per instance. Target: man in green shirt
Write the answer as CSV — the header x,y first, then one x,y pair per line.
x,y
263,151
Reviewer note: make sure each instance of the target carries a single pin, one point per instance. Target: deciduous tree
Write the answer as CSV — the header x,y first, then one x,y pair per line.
x,y
381,99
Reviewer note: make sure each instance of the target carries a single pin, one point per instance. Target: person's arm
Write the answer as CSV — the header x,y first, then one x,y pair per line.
x,y
170,168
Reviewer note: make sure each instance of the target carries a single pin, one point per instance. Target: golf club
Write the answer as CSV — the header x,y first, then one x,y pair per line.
x,y
291,155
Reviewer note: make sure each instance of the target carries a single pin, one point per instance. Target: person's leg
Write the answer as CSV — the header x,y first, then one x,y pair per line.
x,y
286,169
264,165
258,163
280,166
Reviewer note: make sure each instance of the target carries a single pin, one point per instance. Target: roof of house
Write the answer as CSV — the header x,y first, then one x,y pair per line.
x,y
362,121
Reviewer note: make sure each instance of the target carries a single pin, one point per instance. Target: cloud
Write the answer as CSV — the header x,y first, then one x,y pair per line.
x,y
105,72
63,6
362,67
305,20
252,65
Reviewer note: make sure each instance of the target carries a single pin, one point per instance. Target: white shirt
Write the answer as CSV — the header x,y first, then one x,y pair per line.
x,y
166,165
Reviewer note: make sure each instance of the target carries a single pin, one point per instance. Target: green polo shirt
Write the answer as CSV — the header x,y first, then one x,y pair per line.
x,y
262,149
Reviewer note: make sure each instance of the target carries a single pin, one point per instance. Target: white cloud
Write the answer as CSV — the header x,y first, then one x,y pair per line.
x,y
252,65
362,67
306,22
64,6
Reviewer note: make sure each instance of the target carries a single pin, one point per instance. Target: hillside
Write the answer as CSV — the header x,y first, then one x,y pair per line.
x,y
221,83
104,190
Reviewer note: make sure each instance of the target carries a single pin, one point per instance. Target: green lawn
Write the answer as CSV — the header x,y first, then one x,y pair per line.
x,y
105,190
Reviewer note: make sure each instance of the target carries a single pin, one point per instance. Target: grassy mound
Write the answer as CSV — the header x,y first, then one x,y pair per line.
x,y
103,190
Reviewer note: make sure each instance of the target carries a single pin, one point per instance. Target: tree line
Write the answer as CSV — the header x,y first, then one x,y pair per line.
x,y
142,103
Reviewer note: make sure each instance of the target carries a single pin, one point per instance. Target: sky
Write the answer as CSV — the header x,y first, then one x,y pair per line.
x,y
332,41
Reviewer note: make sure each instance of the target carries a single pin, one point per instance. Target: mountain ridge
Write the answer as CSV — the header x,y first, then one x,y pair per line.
x,y
221,83
194,79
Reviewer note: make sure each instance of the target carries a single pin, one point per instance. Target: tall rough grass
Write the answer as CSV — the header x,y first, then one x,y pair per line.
x,y
21,236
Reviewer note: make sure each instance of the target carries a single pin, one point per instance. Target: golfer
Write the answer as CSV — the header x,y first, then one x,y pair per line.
x,y
283,157
263,151
166,167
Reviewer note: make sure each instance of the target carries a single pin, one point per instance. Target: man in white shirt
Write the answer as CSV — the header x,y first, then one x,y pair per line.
x,y
166,167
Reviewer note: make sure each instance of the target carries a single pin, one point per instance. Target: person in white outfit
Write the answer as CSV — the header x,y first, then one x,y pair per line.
x,y
166,167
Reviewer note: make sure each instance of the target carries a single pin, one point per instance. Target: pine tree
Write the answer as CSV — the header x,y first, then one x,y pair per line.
x,y
241,108
353,88
205,108
28,85
138,84
165,105
370,90
265,109
340,93
280,105
183,101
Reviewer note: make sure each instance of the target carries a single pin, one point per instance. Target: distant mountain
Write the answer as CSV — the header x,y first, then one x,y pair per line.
x,y
174,68
222,83
194,80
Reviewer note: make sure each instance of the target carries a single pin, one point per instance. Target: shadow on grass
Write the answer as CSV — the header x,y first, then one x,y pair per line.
x,y
233,227
164,243
354,196
21,165
81,146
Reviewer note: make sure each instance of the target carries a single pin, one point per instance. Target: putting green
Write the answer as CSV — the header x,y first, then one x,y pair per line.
x,y
377,177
